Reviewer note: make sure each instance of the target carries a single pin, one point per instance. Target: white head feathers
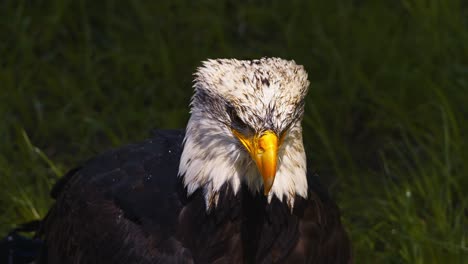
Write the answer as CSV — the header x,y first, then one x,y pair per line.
x,y
251,97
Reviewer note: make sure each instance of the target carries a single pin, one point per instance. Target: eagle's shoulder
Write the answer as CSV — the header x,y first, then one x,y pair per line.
x,y
137,164
322,236
108,202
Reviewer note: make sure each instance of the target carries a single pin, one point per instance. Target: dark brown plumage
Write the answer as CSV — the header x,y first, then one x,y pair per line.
x,y
128,206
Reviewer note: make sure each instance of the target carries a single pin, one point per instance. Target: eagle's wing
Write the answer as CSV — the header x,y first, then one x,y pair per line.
x,y
323,238
102,213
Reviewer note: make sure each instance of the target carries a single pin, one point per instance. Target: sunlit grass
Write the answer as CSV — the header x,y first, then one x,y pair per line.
x,y
385,122
415,211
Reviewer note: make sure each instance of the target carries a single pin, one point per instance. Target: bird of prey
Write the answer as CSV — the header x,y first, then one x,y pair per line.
x,y
233,187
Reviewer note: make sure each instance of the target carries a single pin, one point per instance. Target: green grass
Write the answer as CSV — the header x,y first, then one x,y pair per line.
x,y
385,123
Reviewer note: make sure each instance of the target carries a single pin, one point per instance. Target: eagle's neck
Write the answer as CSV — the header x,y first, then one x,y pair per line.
x,y
213,157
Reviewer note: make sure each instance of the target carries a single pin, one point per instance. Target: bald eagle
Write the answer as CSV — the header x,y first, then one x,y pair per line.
x,y
233,187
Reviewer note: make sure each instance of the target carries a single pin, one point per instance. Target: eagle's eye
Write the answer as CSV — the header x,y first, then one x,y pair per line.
x,y
236,122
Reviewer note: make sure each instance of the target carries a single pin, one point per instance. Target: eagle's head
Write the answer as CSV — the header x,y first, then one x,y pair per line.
x,y
245,127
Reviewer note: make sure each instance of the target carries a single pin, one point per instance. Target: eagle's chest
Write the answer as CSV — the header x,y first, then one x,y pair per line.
x,y
243,228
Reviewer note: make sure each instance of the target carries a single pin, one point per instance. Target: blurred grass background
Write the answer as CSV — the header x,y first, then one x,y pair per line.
x,y
385,124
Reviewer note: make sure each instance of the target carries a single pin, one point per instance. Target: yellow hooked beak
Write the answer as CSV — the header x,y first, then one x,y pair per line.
x,y
264,151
